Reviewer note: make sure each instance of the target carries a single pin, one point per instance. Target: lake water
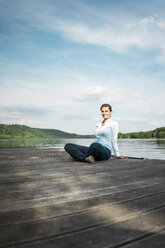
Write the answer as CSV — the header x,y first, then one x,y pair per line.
x,y
150,148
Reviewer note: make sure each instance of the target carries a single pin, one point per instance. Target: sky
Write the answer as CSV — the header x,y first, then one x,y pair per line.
x,y
60,60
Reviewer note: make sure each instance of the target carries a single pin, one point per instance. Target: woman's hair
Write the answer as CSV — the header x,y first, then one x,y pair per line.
x,y
106,105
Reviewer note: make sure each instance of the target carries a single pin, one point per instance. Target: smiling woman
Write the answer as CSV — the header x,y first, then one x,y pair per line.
x,y
106,141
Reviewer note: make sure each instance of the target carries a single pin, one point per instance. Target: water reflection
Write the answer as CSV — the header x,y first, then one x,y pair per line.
x,y
7,143
151,148
161,141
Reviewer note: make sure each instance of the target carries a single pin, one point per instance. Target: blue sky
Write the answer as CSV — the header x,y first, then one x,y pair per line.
x,y
60,60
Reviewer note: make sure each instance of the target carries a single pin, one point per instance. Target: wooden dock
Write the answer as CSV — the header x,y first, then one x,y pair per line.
x,y
49,200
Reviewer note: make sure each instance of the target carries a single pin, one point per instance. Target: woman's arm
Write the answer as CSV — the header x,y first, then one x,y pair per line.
x,y
115,130
121,157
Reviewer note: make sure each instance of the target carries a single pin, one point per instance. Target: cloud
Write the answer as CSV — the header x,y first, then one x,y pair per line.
x,y
18,110
160,113
152,21
133,119
100,94
161,24
20,121
137,95
146,33
17,118
24,115
151,112
77,25
67,53
90,94
95,119
75,116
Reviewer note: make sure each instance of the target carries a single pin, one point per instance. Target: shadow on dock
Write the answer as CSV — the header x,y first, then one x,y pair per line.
x,y
49,200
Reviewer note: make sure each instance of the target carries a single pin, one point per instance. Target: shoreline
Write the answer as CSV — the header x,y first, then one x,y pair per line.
x,y
153,149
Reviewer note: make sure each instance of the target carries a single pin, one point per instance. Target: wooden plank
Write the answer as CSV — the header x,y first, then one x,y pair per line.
x,y
84,220
21,193
150,241
81,181
73,206
111,235
59,161
14,174
60,196
48,199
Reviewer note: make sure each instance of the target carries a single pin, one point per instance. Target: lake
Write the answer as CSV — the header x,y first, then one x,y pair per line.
x,y
150,148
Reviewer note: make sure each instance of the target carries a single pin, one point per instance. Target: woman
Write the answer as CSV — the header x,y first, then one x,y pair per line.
x,y
106,141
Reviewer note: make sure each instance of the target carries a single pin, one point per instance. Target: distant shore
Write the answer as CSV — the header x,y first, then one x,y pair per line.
x,y
15,131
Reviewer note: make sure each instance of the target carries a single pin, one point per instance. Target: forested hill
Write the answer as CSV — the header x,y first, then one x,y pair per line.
x,y
21,131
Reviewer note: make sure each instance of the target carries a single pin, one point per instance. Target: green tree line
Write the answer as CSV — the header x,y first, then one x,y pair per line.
x,y
158,133
22,131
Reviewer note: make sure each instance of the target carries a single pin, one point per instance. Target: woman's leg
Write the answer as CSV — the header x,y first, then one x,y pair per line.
x,y
76,151
98,151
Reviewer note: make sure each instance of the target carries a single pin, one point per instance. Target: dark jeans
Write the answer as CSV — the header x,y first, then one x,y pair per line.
x,y
80,153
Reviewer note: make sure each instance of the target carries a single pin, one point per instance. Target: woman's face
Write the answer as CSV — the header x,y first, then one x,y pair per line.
x,y
106,113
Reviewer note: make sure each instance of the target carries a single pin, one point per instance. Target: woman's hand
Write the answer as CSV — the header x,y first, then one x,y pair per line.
x,y
121,157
